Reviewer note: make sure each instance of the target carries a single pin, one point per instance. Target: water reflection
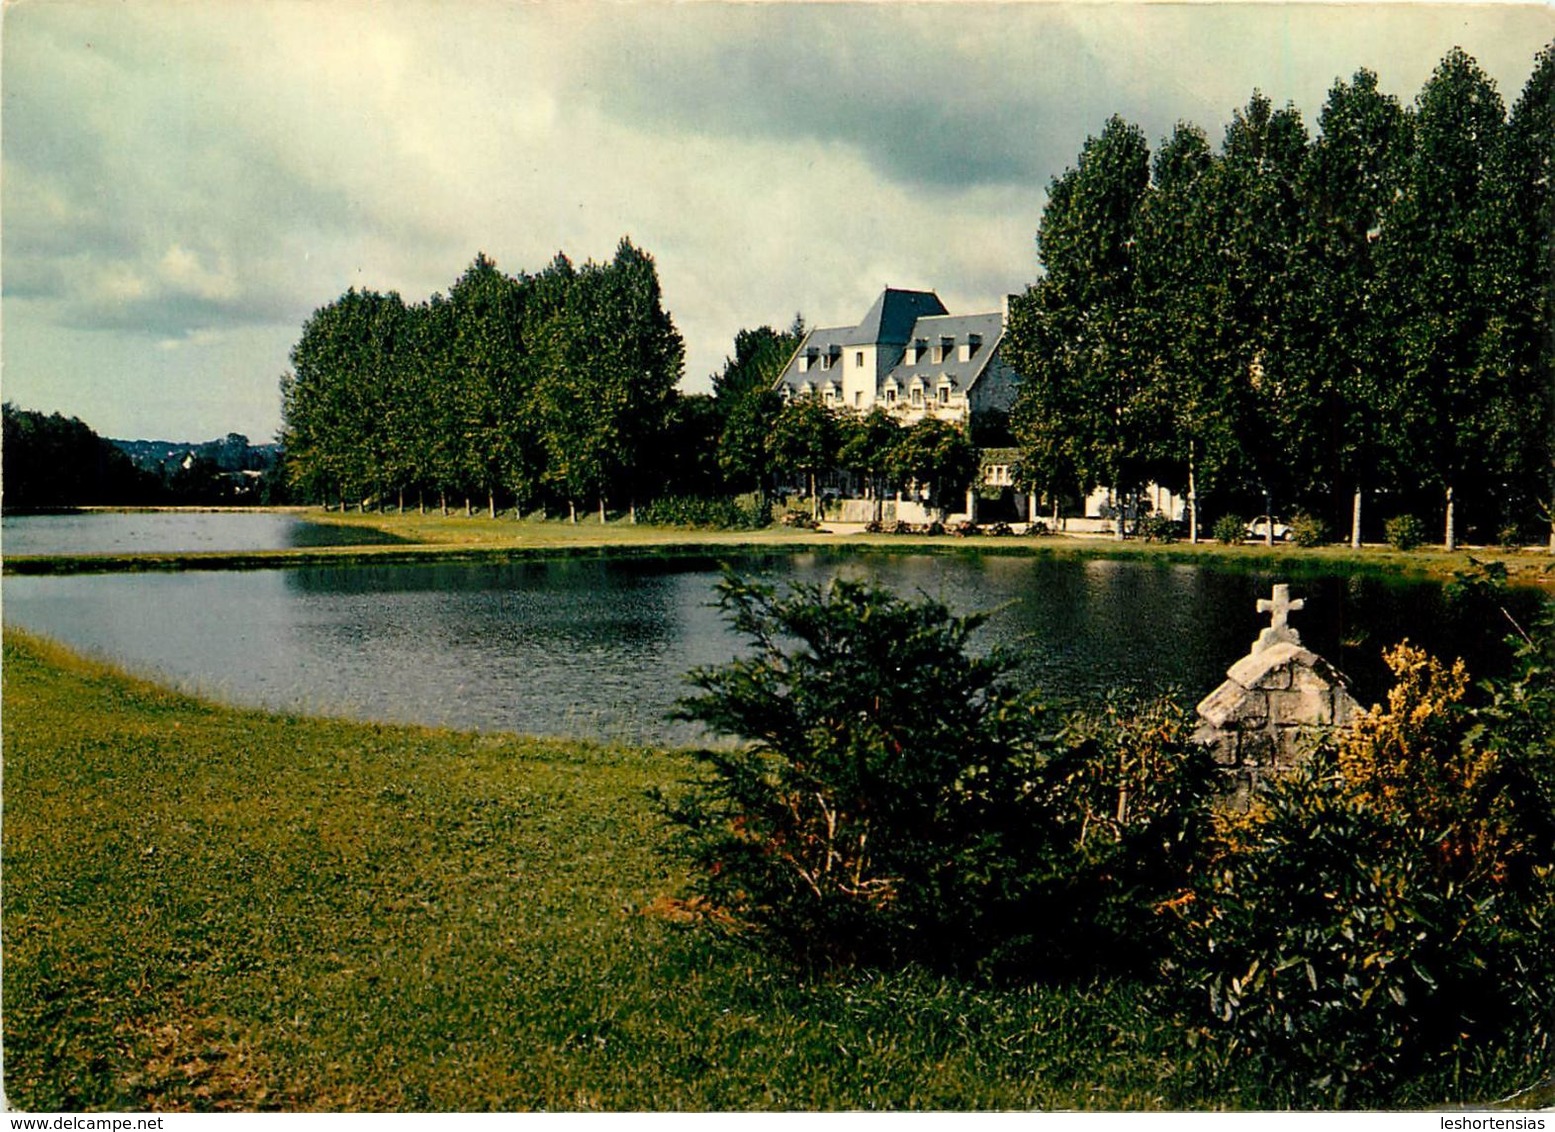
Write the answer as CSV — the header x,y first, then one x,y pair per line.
x,y
598,647
175,532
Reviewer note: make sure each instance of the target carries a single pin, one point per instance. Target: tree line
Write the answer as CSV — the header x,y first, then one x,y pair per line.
x,y
1307,324
53,461
552,389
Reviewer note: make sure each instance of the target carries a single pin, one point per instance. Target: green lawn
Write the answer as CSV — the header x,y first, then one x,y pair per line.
x,y
418,537
211,908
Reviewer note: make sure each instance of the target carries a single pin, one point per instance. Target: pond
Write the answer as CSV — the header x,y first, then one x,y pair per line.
x,y
598,647
173,532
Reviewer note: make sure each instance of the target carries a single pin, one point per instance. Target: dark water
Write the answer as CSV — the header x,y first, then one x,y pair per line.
x,y
599,647
172,532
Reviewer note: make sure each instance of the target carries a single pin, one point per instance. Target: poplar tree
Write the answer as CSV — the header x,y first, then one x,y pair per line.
x,y
1084,405
1340,340
1517,233
1440,412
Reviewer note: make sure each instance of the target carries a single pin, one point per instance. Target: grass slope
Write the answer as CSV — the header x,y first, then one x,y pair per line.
x,y
208,908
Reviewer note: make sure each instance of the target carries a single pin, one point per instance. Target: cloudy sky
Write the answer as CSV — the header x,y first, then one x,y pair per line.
x,y
185,181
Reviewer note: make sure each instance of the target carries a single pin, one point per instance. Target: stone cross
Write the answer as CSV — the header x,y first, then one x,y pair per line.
x,y
1280,607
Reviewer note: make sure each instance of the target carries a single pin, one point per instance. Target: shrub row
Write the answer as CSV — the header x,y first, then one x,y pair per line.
x,y
747,513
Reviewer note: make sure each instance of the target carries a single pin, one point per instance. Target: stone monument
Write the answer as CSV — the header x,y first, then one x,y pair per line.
x,y
1275,703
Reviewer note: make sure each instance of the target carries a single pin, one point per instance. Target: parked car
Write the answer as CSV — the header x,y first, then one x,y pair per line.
x,y
1257,530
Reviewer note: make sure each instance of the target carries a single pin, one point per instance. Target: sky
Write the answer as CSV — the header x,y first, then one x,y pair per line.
x,y
183,182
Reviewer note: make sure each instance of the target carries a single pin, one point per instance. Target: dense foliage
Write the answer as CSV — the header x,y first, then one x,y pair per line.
x,y
1297,323
55,461
895,798
1383,915
551,389
1393,904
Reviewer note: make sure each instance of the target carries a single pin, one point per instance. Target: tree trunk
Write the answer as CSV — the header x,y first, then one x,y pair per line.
x,y
421,501
442,502
602,510
1193,504
469,510
402,500
1268,518
815,502
491,502
1117,510
1355,519
1451,539
631,512
572,512
1055,513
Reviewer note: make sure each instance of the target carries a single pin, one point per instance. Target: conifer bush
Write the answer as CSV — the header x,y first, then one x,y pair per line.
x,y
894,798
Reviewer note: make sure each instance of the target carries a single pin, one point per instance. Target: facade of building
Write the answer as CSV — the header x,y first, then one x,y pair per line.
x,y
909,356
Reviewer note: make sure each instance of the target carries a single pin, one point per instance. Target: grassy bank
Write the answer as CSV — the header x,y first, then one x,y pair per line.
x,y
414,537
210,908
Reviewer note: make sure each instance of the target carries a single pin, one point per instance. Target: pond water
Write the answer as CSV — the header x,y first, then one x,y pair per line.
x,y
173,532
599,647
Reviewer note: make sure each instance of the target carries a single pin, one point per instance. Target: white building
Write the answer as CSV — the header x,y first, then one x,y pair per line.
x,y
909,356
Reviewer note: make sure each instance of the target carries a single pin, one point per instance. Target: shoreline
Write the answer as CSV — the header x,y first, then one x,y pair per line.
x,y
427,539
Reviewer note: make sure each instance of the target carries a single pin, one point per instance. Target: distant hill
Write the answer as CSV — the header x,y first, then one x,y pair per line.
x,y
232,453
52,461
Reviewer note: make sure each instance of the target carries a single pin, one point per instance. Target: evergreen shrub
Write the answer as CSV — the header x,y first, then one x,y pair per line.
x,y
893,798
1404,532
1229,530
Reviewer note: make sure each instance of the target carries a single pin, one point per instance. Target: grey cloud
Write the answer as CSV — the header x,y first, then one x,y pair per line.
x,y
118,151
941,96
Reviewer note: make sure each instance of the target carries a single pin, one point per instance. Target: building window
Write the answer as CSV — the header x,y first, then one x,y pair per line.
x,y
944,394
890,396
917,396
858,398
858,359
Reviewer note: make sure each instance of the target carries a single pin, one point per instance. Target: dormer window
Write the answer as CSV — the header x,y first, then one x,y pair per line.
x,y
807,390
943,392
942,352
969,347
807,359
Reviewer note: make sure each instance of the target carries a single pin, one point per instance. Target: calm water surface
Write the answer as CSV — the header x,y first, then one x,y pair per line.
x,y
599,648
172,532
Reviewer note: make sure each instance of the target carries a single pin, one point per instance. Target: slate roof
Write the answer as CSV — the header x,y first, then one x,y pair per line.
x,y
930,330
897,319
892,317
